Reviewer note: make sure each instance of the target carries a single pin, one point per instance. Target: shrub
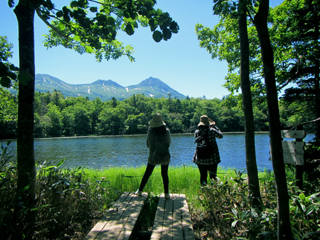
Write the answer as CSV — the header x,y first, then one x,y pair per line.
x,y
67,203
227,213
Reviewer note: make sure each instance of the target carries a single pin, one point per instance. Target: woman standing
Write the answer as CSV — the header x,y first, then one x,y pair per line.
x,y
158,142
207,158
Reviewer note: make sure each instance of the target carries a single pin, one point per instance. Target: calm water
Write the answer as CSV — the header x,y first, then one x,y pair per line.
x,y
102,152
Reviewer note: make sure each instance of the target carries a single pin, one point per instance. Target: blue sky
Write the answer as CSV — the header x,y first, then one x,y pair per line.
x,y
179,62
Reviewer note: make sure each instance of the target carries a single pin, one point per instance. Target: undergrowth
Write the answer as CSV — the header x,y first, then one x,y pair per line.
x,y
70,201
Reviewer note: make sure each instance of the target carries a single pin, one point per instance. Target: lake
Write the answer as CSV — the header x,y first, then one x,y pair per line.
x,y
112,151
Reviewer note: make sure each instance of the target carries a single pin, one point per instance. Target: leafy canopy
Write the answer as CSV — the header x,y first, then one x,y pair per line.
x,y
91,25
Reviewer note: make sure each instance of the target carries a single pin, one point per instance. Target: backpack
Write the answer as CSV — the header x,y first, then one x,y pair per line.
x,y
161,150
204,149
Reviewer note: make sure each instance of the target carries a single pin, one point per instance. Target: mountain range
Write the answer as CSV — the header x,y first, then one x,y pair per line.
x,y
105,89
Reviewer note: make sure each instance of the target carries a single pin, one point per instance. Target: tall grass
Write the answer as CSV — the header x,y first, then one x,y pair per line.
x,y
184,179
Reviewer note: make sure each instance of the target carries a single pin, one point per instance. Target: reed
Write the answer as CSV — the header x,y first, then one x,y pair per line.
x,y
183,179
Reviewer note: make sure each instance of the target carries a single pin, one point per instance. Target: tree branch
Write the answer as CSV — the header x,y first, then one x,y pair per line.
x,y
50,25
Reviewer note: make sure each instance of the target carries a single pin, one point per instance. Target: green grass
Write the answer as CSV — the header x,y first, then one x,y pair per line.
x,y
183,179
70,201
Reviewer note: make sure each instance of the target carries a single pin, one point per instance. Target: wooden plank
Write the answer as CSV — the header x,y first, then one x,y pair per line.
x,y
167,221
133,213
111,214
293,152
114,226
120,220
177,216
158,221
172,220
298,134
186,220
293,147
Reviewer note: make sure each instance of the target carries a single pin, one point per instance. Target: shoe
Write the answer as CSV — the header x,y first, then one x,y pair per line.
x,y
138,193
166,195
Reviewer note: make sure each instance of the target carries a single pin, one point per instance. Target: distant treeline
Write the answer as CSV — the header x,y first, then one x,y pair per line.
x,y
56,115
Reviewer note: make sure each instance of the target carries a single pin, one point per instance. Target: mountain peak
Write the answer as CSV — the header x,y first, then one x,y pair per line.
x,y
106,82
105,89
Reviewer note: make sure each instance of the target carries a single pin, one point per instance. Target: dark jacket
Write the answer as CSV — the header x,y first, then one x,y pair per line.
x,y
213,133
151,139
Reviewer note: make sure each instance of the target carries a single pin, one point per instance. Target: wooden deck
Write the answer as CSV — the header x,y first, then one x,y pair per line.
x,y
120,220
172,220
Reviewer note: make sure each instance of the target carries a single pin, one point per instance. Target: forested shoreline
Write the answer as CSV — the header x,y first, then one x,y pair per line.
x,y
60,116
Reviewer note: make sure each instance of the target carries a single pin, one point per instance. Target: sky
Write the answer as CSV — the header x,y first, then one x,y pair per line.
x,y
178,62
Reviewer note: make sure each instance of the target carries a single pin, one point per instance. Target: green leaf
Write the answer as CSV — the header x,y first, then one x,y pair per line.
x,y
235,212
111,21
5,82
89,49
93,9
59,14
77,38
61,26
126,14
166,34
61,162
13,67
310,209
40,207
302,196
133,15
234,223
135,24
129,29
153,24
159,11
157,36
24,188
74,4
24,78
174,27
303,207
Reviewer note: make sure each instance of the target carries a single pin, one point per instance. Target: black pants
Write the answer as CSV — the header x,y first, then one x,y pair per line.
x,y
164,174
203,169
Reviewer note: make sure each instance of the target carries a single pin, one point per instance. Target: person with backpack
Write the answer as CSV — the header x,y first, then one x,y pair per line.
x,y
207,155
158,142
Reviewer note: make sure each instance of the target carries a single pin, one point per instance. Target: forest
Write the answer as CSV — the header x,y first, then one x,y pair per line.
x,y
57,115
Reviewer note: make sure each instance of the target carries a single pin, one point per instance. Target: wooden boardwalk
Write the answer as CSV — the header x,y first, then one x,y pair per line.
x,y
120,220
172,220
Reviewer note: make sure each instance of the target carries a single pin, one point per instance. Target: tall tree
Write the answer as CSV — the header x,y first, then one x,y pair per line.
x,y
77,29
251,163
260,21
302,51
228,10
25,140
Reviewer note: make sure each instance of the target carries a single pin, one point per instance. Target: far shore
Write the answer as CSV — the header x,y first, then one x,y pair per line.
x,y
125,135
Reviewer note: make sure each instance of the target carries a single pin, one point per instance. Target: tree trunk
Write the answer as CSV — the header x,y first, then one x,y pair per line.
x,y
284,228
253,179
316,77
25,145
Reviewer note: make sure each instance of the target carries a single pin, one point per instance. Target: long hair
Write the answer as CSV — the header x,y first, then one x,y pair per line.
x,y
159,131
